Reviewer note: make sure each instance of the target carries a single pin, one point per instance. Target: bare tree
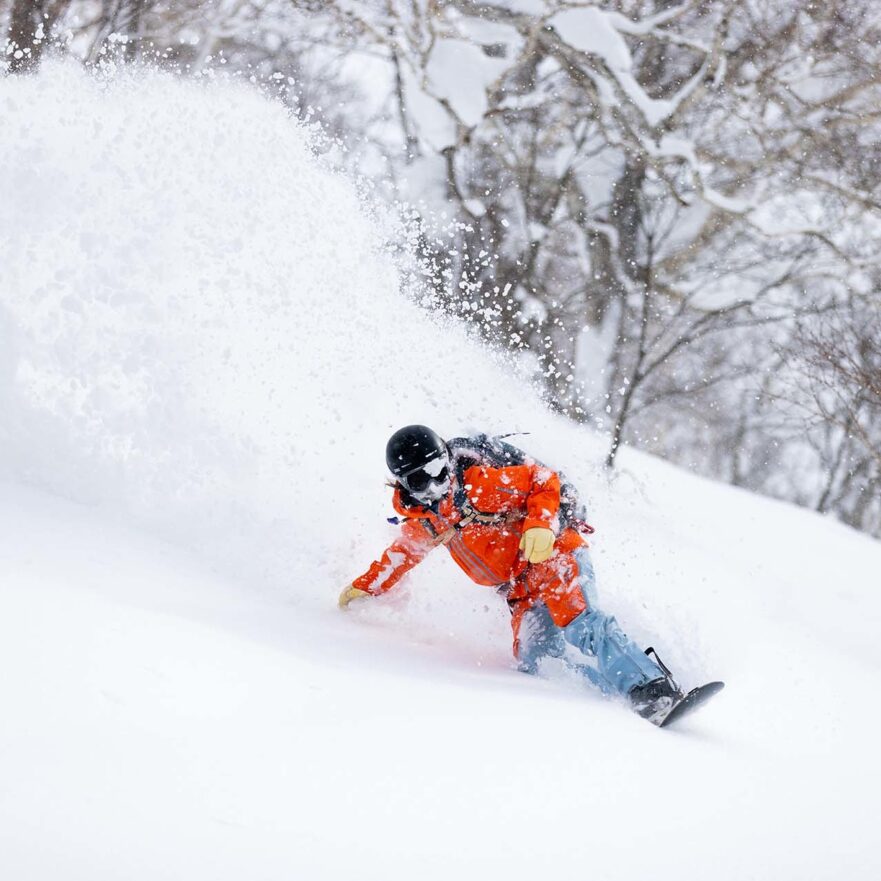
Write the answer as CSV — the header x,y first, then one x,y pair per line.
x,y
118,23
838,398
30,24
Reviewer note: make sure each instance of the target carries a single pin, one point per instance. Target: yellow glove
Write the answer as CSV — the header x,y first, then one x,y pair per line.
x,y
537,544
351,593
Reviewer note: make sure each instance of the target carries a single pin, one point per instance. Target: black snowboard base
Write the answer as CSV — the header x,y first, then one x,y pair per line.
x,y
697,697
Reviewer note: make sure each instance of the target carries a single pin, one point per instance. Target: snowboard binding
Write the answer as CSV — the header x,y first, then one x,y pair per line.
x,y
661,701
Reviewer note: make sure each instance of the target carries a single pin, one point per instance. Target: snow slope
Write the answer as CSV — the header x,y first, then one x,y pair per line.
x,y
202,348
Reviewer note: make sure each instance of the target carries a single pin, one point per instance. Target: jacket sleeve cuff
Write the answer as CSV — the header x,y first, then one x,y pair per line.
x,y
535,523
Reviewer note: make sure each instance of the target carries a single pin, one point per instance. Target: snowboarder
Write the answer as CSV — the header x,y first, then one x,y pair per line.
x,y
506,522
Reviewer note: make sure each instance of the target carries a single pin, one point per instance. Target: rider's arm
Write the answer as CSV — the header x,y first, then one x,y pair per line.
x,y
399,557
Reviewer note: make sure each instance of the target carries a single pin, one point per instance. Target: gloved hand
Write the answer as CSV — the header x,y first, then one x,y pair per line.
x,y
351,593
537,544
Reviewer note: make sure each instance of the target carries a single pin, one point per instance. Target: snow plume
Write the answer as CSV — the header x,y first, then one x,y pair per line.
x,y
202,325
202,331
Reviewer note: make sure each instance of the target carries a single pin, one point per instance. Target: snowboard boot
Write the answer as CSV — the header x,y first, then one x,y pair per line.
x,y
655,699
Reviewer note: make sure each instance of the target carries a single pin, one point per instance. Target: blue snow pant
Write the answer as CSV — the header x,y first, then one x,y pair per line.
x,y
592,644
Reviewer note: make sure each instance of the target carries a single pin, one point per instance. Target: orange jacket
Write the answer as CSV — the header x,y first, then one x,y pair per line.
x,y
525,495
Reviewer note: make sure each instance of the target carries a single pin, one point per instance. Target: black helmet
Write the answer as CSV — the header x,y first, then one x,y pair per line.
x,y
407,453
412,447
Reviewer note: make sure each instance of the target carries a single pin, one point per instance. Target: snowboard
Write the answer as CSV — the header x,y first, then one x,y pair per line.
x,y
697,697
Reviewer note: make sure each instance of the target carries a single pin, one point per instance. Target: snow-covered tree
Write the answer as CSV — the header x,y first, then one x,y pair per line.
x,y
651,201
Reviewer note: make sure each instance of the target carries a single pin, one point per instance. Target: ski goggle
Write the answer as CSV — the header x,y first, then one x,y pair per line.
x,y
418,480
